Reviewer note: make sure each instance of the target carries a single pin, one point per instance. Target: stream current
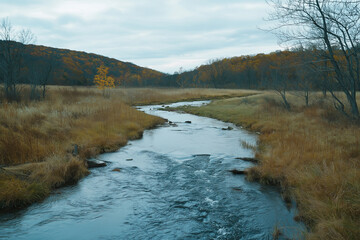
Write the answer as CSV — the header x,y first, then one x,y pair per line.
x,y
173,184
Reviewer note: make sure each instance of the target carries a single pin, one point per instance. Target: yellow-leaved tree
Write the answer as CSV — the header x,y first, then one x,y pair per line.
x,y
102,80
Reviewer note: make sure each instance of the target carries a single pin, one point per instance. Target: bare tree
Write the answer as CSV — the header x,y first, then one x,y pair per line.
x,y
39,76
281,84
334,24
12,45
180,80
307,73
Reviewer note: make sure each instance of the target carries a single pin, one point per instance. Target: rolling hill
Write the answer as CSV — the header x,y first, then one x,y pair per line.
x,y
78,68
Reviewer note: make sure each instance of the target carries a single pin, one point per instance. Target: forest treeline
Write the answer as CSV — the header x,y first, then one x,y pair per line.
x,y
293,69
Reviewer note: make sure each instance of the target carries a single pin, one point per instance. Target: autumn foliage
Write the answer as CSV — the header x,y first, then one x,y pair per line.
x,y
255,72
102,80
259,71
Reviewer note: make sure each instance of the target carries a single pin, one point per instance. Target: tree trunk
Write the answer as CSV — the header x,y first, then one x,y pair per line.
x,y
43,91
353,105
285,101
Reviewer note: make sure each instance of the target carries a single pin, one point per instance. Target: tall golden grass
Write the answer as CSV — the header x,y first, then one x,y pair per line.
x,y
37,138
312,152
33,131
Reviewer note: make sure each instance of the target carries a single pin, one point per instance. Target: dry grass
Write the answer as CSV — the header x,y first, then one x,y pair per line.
x,y
37,138
139,96
31,132
313,153
16,193
28,183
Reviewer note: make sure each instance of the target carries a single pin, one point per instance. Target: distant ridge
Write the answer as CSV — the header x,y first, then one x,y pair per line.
x,y
78,68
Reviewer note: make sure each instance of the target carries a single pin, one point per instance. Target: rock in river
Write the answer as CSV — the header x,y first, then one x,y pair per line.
x,y
93,163
228,128
247,159
238,172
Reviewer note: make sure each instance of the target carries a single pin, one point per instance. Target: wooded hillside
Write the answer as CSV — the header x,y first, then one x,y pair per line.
x,y
79,68
300,69
290,69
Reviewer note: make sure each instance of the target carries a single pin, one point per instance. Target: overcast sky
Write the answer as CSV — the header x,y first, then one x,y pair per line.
x,y
161,34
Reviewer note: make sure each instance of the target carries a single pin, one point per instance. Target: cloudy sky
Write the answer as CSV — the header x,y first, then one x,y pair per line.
x,y
161,34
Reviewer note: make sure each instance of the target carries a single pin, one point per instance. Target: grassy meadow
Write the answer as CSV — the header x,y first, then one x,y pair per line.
x,y
37,138
312,152
143,96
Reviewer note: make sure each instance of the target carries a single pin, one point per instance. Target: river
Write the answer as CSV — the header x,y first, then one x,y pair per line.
x,y
173,183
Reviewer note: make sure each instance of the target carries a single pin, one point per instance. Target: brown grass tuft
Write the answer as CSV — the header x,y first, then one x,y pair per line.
x,y
57,172
17,193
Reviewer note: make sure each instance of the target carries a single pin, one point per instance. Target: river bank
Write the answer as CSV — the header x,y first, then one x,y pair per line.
x,y
312,152
38,138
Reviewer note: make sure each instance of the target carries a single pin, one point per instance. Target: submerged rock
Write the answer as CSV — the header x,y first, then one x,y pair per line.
x,y
239,189
227,129
247,159
202,155
238,172
187,121
116,170
172,124
93,163
129,159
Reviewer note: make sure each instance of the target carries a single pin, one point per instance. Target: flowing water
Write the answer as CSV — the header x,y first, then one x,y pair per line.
x,y
173,184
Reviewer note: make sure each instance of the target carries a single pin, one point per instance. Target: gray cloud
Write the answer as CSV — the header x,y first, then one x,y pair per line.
x,y
162,34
